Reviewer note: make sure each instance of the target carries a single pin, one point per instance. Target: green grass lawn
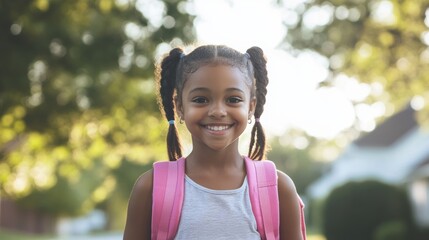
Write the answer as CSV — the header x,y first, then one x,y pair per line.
x,y
7,235
315,237
314,234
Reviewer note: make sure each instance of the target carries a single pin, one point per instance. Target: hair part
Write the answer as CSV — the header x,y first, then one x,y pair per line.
x,y
176,68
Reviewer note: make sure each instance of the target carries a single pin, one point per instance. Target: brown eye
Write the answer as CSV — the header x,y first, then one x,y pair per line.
x,y
199,100
234,100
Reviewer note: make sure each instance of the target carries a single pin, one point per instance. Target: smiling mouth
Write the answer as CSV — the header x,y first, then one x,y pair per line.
x,y
217,127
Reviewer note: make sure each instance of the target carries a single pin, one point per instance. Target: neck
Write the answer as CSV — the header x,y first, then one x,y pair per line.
x,y
209,158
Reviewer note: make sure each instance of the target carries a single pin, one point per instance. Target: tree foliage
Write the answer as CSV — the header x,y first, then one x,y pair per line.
x,y
77,94
378,42
298,156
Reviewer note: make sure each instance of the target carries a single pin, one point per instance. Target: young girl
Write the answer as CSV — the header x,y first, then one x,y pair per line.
x,y
215,91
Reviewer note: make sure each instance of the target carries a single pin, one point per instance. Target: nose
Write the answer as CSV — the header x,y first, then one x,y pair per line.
x,y
217,110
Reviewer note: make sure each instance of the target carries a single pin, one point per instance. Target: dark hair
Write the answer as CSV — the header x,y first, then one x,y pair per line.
x,y
176,68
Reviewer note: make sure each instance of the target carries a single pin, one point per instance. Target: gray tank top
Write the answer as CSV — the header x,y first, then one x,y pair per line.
x,y
216,214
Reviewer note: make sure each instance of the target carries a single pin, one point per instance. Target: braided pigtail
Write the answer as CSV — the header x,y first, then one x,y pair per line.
x,y
167,74
257,140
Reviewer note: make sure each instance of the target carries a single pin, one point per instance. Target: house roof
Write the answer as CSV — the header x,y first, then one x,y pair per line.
x,y
422,163
390,130
421,170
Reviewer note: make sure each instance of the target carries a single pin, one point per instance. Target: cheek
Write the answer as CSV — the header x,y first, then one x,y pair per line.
x,y
192,113
243,113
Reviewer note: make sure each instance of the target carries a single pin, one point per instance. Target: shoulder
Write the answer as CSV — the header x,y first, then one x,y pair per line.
x,y
142,191
287,190
144,183
290,218
140,208
285,183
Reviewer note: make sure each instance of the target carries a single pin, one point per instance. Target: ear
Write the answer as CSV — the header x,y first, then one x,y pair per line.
x,y
252,106
179,106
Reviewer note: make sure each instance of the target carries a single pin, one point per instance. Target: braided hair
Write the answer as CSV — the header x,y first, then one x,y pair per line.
x,y
257,140
176,68
166,73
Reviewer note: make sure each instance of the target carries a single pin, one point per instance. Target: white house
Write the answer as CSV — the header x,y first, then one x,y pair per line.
x,y
396,152
418,189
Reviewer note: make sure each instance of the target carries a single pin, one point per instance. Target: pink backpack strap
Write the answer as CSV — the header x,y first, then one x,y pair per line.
x,y
263,192
167,198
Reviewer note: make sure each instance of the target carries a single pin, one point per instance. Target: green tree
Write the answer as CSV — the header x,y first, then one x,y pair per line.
x,y
77,96
298,155
374,41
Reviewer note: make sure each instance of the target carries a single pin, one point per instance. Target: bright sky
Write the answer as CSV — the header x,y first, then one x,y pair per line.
x,y
292,100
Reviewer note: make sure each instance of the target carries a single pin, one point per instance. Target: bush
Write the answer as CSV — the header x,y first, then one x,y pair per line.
x,y
422,234
394,230
355,210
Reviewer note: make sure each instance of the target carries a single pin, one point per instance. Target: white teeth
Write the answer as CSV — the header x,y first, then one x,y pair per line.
x,y
217,128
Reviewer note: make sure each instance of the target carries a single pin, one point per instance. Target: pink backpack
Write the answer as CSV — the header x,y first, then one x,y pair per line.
x,y
168,193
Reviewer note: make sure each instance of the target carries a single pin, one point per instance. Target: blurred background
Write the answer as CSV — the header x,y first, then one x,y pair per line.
x,y
347,113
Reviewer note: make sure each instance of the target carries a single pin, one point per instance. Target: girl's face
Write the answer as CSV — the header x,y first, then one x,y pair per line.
x,y
216,105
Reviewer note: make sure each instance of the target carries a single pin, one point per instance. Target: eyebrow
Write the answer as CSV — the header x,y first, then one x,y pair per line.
x,y
208,90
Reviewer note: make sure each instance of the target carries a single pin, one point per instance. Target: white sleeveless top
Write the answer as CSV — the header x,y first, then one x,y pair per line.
x,y
216,214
